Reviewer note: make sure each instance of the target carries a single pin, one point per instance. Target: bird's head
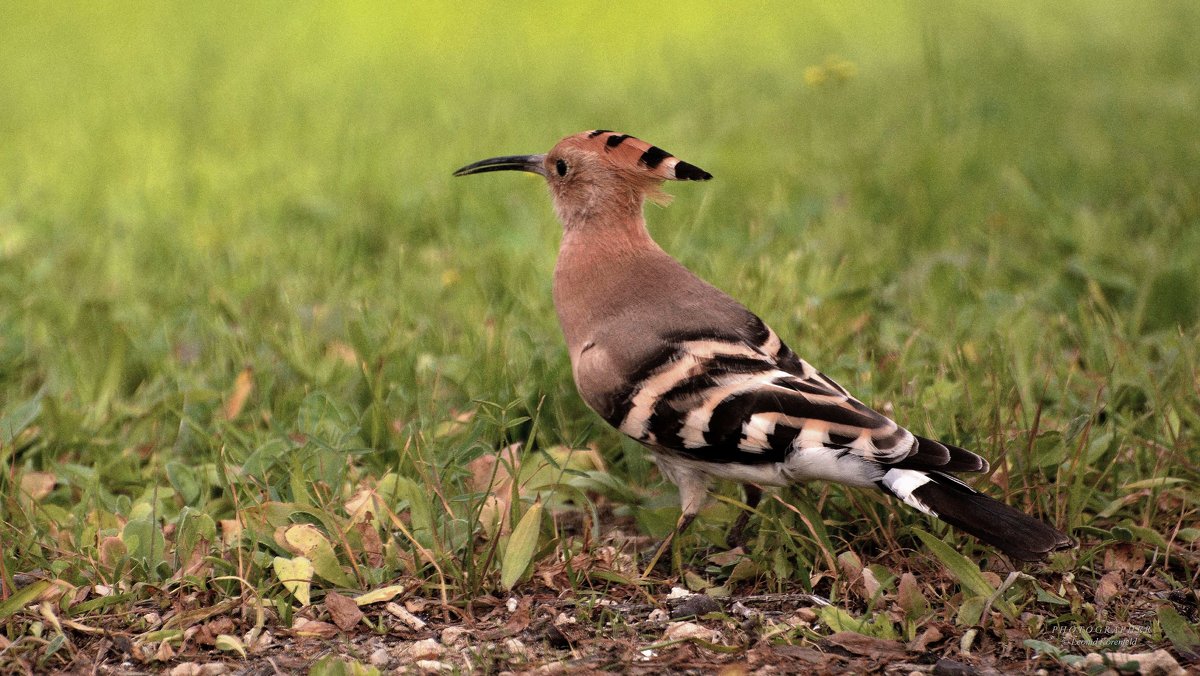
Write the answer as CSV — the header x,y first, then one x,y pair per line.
x,y
598,175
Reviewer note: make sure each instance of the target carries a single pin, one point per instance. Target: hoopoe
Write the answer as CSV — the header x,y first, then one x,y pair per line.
x,y
707,386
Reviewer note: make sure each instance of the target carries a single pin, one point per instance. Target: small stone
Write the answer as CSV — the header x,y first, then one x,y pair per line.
x,y
425,649
431,666
678,593
455,636
512,604
194,669
1157,663
696,605
380,658
659,615
682,631
516,648
555,637
807,614
949,667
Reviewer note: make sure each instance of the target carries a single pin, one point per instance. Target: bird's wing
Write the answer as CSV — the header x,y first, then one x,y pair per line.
x,y
745,397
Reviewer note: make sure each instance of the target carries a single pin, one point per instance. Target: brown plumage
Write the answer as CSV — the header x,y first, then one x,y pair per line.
x,y
672,361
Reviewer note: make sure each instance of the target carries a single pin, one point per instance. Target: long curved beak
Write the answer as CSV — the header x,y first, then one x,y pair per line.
x,y
530,163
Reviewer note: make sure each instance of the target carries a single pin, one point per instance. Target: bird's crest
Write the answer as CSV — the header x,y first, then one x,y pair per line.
x,y
633,154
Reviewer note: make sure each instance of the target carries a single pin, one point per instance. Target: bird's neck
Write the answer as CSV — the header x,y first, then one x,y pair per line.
x,y
608,236
596,265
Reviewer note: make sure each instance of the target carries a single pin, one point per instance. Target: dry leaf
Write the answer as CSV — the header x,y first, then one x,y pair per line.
x,y
866,646
870,584
910,598
208,632
372,545
306,628
37,485
928,637
493,473
197,563
1110,586
231,531
165,652
1129,558
342,352
343,610
242,386
404,616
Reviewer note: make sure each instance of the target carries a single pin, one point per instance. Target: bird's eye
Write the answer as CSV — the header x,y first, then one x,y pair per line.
x,y
561,167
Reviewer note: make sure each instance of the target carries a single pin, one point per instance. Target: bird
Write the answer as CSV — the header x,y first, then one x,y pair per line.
x,y
706,385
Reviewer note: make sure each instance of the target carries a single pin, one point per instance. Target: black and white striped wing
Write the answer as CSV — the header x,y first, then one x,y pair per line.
x,y
751,400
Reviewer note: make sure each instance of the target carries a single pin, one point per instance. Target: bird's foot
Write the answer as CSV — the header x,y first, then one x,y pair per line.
x,y
737,536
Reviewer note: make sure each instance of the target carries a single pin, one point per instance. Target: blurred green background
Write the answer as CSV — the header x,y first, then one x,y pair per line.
x,y
982,216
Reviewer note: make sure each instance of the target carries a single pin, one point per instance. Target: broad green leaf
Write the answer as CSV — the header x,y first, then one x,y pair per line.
x,y
192,528
183,479
330,420
521,546
334,665
1189,534
23,597
296,576
970,611
172,635
839,620
1156,482
1044,648
965,570
16,419
911,600
1147,535
419,508
379,595
309,541
1181,634
230,644
145,542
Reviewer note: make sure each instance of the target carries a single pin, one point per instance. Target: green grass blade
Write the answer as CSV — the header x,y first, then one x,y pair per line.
x,y
964,570
521,546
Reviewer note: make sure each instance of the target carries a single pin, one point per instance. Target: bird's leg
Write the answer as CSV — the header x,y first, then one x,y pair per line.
x,y
737,534
693,490
685,520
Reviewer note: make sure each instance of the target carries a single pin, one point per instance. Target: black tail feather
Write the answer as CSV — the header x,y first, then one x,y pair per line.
x,y
1015,533
942,457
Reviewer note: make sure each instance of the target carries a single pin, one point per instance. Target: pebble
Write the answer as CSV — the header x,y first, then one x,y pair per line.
x,y
680,631
455,636
424,649
379,658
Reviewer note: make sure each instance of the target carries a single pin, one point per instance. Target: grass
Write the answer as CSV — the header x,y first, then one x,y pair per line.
x,y
240,293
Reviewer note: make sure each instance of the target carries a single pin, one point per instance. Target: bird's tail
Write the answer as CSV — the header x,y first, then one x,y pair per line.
x,y
1015,533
